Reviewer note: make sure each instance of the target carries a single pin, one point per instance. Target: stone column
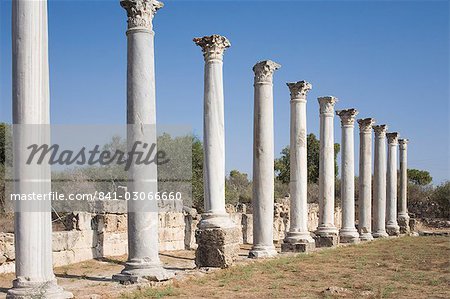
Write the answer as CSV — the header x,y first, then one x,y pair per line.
x,y
392,227
348,232
263,161
403,217
379,183
143,262
217,236
31,119
365,179
326,231
298,239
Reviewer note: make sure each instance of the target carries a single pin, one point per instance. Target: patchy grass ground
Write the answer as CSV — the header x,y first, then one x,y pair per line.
x,y
408,267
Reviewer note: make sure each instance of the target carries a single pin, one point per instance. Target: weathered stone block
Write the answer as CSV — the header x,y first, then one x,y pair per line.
x,y
326,241
412,224
217,247
297,247
247,228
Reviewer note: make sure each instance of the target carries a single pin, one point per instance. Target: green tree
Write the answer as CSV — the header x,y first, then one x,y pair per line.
x,y
238,188
419,177
197,174
5,150
441,196
282,164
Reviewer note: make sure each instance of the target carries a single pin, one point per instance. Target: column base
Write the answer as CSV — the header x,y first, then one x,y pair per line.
x,y
366,237
380,234
403,222
23,288
392,229
214,220
217,247
136,272
298,242
348,235
326,241
262,251
326,231
294,237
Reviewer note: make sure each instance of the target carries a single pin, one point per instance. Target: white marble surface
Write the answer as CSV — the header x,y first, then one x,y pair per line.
x,y
348,232
392,227
263,160
298,231
326,168
379,183
365,179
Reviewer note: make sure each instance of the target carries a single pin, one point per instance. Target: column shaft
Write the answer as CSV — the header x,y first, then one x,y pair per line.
x,y
392,227
379,182
298,233
403,217
348,232
143,262
365,179
217,235
326,168
31,119
263,161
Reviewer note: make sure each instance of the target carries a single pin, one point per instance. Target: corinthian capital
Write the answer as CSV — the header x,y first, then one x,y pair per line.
x,y
140,13
347,116
403,143
365,125
212,46
299,89
392,138
264,71
327,105
380,130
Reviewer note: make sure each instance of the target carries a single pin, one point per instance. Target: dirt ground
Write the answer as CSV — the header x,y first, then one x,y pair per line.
x,y
406,267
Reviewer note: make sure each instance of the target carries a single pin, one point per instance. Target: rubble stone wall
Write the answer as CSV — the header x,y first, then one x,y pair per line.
x,y
91,236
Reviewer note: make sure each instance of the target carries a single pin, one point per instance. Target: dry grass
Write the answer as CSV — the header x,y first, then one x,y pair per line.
x,y
408,267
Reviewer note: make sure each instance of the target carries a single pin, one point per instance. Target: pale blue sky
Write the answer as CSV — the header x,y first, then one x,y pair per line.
x,y
388,59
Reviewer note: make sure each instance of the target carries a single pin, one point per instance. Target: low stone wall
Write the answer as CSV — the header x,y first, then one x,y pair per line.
x,y
91,236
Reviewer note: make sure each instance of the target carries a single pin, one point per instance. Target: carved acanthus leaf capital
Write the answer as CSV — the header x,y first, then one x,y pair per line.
x,y
347,116
327,104
299,89
380,130
140,13
213,46
264,71
403,143
392,137
365,125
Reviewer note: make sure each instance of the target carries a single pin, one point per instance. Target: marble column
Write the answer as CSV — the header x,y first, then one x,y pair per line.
x,y
379,183
392,227
298,239
31,119
403,217
143,262
263,161
326,230
365,179
348,232
217,241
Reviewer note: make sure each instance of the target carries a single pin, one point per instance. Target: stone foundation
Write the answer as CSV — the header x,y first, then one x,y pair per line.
x,y
91,236
297,247
392,231
217,247
326,241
